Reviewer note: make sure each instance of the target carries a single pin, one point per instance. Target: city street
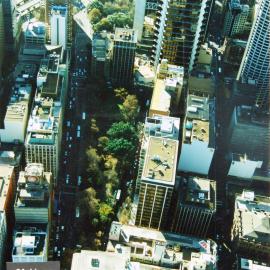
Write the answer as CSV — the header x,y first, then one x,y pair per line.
x,y
75,124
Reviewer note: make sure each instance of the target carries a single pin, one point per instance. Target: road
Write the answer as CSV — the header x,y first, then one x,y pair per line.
x,y
74,127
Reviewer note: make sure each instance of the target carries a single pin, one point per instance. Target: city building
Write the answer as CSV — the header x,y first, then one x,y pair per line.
x,y
30,243
198,143
44,131
243,166
185,28
248,123
123,57
201,81
195,207
155,180
172,29
247,264
235,18
256,59
146,16
167,90
144,75
34,39
164,250
12,25
2,36
161,126
7,184
58,14
17,112
51,265
33,201
250,231
101,55
58,25
100,260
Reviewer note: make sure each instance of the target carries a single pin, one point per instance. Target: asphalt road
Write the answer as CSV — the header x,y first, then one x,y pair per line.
x,y
74,126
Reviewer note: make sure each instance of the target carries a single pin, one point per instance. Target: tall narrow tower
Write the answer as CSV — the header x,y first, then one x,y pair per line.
x,y
50,12
174,30
255,63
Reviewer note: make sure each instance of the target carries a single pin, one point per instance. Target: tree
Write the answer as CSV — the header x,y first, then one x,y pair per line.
x,y
88,203
102,142
121,148
104,212
121,93
104,24
94,15
122,130
96,4
94,161
120,19
130,108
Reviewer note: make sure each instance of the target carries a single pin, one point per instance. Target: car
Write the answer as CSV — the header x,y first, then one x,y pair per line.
x,y
67,178
63,248
70,138
68,123
62,228
59,253
57,236
69,145
57,228
55,249
65,153
59,212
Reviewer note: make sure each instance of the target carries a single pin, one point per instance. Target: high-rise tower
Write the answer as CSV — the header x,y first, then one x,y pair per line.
x,y
173,29
255,63
50,8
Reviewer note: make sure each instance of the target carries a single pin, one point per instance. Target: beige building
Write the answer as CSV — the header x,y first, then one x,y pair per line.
x,y
167,90
250,230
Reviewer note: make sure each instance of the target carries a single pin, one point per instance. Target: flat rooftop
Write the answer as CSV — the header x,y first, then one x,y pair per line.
x,y
98,260
18,103
161,248
161,99
125,35
198,107
255,217
248,115
198,191
160,160
30,241
162,126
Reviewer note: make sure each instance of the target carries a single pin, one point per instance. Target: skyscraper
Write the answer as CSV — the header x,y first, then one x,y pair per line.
x,y
50,11
124,46
235,18
175,29
255,63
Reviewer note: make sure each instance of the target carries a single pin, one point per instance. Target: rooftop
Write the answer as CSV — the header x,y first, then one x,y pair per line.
x,y
199,123
19,101
197,191
162,126
246,264
30,241
161,248
249,115
99,260
160,160
33,187
36,29
254,217
125,35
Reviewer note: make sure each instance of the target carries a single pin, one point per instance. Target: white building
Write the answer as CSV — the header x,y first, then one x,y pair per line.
x,y
255,64
30,244
59,26
44,131
198,145
243,166
15,121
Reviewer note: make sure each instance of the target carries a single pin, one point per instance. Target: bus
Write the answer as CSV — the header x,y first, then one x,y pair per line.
x,y
219,70
118,194
78,134
79,180
83,116
77,212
